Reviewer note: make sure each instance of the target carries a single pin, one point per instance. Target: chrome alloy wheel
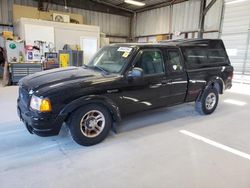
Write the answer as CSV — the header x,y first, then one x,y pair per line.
x,y
92,123
210,101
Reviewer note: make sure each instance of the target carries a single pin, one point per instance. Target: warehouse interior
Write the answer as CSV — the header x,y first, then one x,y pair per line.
x,y
165,147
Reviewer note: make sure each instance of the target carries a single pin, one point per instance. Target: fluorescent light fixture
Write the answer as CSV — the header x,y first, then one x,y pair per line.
x,y
136,3
235,102
236,1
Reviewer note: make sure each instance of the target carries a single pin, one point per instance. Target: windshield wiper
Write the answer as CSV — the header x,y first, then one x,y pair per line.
x,y
85,66
102,69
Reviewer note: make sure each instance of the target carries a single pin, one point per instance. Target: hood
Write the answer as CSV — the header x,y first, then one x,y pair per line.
x,y
57,77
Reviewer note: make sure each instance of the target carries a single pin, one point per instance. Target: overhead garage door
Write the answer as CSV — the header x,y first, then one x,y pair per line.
x,y
236,34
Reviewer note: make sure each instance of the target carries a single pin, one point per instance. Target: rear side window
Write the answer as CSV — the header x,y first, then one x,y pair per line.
x,y
196,57
217,56
207,56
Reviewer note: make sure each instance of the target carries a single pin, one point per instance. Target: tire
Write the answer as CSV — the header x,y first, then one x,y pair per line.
x,y
90,124
208,101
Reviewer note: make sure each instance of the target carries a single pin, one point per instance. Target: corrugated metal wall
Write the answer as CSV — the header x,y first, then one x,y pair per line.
x,y
109,23
213,17
212,35
185,17
5,15
236,34
153,22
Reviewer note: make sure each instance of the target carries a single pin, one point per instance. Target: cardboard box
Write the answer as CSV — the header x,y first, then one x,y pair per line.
x,y
8,35
161,37
20,11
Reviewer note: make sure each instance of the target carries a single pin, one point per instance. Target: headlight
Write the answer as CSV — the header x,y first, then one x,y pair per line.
x,y
42,105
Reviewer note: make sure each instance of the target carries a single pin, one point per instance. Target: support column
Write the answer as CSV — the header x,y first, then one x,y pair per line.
x,y
202,18
133,27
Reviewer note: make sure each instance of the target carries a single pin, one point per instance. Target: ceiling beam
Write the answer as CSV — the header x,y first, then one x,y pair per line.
x,y
159,5
93,5
114,6
208,7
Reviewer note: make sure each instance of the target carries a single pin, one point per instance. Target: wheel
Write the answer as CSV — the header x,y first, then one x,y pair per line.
x,y
208,101
90,124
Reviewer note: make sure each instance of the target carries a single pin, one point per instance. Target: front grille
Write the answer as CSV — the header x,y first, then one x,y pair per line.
x,y
24,96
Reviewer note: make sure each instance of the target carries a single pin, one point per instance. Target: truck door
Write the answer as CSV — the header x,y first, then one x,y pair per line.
x,y
176,75
150,91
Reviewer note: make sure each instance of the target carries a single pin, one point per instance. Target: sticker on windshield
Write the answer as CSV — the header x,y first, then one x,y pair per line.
x,y
124,49
125,54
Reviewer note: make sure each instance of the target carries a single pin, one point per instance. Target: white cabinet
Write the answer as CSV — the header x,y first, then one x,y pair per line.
x,y
60,34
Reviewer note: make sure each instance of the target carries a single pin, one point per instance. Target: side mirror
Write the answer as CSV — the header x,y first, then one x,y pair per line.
x,y
136,72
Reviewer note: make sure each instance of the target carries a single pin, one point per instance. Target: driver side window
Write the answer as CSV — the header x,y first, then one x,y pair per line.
x,y
151,62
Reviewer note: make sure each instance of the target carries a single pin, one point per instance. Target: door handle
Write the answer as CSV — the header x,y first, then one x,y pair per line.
x,y
162,83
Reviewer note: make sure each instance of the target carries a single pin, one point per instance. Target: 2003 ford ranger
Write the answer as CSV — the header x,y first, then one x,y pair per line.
x,y
122,79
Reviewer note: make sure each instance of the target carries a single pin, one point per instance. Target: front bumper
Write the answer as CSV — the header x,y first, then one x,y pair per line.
x,y
41,124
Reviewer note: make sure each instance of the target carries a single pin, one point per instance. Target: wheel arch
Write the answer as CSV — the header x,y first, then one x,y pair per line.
x,y
82,101
217,83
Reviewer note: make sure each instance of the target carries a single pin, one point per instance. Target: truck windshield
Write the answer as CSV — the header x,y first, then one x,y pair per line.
x,y
111,59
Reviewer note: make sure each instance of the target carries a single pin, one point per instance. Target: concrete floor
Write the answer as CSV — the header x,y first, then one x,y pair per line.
x,y
149,150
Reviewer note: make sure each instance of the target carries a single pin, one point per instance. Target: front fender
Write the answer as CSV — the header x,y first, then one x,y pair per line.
x,y
105,101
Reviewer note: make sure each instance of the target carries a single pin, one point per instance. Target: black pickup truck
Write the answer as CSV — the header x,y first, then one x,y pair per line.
x,y
122,79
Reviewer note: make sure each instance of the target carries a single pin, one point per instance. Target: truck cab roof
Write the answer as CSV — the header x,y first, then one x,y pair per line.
x,y
171,43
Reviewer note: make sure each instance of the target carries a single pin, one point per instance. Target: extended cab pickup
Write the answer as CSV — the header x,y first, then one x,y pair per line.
x,y
122,79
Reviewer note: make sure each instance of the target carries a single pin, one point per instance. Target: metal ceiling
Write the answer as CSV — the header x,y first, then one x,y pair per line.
x,y
150,4
110,6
